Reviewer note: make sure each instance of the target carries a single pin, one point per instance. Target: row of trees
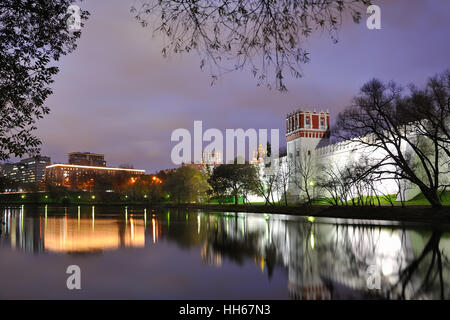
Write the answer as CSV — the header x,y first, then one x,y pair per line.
x,y
234,181
225,181
187,184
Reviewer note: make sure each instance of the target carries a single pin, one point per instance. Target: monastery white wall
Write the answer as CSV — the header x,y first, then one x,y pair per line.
x,y
331,157
340,155
337,157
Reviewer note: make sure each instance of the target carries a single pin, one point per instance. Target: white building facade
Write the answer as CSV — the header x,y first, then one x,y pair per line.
x,y
309,148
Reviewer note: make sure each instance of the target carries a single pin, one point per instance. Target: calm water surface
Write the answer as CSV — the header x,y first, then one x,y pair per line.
x,y
136,253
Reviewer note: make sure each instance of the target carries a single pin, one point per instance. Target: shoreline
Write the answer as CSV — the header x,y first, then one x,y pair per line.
x,y
406,214
413,213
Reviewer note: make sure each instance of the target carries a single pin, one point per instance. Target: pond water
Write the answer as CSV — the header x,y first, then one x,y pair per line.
x,y
137,253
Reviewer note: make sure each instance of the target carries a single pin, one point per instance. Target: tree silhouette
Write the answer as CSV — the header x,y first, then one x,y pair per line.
x,y
265,36
409,130
33,34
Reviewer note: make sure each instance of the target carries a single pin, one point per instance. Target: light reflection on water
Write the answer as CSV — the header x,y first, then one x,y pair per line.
x,y
260,253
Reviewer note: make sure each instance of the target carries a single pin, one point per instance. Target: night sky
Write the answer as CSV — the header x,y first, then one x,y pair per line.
x,y
117,95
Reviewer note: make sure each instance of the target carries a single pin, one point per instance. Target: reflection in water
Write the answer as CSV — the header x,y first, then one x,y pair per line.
x,y
324,259
82,235
69,233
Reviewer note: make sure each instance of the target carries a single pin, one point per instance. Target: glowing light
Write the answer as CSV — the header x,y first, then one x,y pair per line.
x,y
311,219
93,218
107,235
45,220
312,240
21,220
132,228
23,196
145,218
93,197
390,245
168,219
262,264
226,224
92,167
154,230
156,179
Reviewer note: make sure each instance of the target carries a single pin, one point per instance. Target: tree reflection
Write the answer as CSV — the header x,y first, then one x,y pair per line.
x,y
434,276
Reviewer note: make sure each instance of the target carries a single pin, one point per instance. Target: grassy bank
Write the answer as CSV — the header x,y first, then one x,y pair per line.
x,y
390,199
70,198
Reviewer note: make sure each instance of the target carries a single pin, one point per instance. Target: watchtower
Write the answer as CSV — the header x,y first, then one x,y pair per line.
x,y
305,130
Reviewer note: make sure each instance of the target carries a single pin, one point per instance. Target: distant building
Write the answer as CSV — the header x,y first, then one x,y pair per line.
x,y
26,171
63,174
87,159
212,158
258,155
209,159
82,171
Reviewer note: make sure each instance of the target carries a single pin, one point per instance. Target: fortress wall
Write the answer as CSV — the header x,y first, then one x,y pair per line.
x,y
312,138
